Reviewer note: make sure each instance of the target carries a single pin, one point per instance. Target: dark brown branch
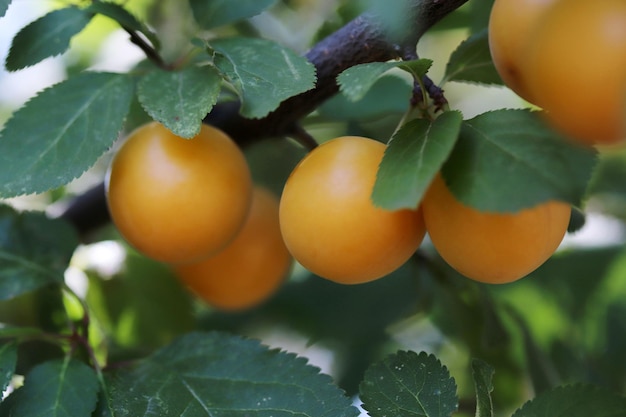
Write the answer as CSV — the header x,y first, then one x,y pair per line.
x,y
362,40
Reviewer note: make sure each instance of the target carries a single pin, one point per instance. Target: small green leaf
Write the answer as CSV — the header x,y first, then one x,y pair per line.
x,y
124,18
264,73
356,81
407,384
8,361
45,37
418,67
471,62
507,160
575,401
483,381
180,100
4,5
34,251
59,388
413,158
210,14
60,133
203,374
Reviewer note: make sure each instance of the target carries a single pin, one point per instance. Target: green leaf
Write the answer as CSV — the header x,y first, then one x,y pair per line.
x,y
389,95
343,315
4,5
575,401
471,62
482,373
413,158
45,37
407,384
202,374
8,361
418,67
61,132
264,73
479,11
210,14
356,81
34,251
59,388
124,18
180,100
507,160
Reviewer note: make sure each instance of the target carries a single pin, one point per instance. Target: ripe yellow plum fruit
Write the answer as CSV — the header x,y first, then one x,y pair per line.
x,y
511,24
251,268
328,219
178,200
576,64
491,247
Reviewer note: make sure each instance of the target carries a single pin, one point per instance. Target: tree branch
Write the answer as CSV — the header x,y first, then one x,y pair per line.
x,y
360,41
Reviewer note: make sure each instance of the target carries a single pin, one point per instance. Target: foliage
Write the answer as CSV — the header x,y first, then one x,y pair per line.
x,y
423,341
406,382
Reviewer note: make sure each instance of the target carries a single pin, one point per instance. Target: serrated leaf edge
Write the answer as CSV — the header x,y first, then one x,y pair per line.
x,y
11,52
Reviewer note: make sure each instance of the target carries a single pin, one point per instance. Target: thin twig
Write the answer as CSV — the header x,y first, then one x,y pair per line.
x,y
303,137
147,49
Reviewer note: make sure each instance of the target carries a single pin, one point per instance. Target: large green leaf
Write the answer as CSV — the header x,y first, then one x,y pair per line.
x,y
210,14
575,401
216,374
59,388
34,251
45,37
61,132
264,73
342,315
409,384
471,62
8,361
181,99
356,81
507,160
413,158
